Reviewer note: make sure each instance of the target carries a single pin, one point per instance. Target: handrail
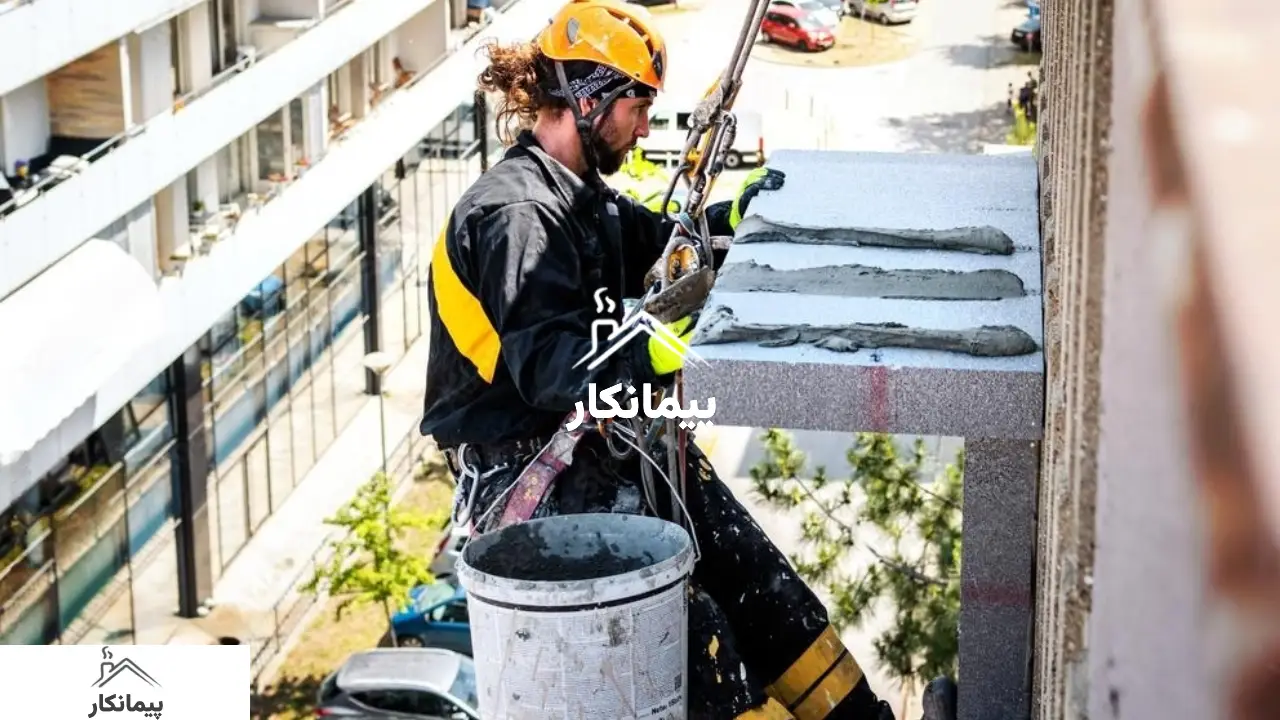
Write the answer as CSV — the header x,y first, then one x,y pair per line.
x,y
53,179
178,106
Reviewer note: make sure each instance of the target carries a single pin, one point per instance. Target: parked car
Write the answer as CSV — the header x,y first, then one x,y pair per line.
x,y
452,540
887,12
790,26
820,10
435,617
425,683
1027,35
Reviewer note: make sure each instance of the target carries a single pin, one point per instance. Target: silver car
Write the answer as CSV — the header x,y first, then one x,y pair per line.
x,y
888,12
452,540
425,683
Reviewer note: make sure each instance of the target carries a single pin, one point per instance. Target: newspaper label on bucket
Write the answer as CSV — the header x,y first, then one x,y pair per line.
x,y
602,665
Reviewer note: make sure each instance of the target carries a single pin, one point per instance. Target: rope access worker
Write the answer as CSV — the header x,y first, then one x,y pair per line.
x,y
512,283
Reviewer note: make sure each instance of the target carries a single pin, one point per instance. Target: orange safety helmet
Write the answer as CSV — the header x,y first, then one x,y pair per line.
x,y
616,34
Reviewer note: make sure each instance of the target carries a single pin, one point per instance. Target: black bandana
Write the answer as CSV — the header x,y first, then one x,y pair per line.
x,y
590,81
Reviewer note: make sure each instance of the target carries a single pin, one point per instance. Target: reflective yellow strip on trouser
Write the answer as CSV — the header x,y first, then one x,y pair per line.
x,y
771,710
463,316
818,680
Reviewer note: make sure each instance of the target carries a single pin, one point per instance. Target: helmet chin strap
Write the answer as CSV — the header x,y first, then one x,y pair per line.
x,y
586,123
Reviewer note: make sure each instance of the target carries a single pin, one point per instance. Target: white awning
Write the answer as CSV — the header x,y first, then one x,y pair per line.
x,y
64,334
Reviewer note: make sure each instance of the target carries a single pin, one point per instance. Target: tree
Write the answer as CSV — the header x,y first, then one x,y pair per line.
x,y
910,532
369,563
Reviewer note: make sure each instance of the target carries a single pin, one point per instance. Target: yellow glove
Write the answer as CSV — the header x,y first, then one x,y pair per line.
x,y
664,359
761,178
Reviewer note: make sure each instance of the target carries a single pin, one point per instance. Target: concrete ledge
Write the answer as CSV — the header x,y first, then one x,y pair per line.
x,y
890,389
869,398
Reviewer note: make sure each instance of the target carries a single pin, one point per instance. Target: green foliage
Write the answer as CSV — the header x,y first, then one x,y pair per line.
x,y
1024,131
369,563
910,534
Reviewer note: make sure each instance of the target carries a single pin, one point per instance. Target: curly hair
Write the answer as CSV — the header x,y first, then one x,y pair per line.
x,y
525,78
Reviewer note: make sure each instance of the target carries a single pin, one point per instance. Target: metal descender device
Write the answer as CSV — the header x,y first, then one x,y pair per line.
x,y
679,284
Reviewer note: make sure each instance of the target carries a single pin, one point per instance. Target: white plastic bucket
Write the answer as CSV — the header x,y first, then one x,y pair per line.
x,y
580,616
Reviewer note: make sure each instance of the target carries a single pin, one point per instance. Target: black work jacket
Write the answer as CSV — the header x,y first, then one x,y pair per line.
x,y
511,291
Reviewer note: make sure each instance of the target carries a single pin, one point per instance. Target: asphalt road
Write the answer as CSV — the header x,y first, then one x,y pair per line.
x,y
948,96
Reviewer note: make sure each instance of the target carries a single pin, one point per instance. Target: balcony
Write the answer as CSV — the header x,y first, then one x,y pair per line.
x,y
150,156
41,36
247,245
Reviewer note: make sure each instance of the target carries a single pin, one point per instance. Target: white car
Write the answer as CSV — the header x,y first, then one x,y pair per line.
x,y
816,8
888,12
452,540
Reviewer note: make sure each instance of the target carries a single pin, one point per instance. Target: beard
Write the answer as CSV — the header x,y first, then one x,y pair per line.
x,y
609,158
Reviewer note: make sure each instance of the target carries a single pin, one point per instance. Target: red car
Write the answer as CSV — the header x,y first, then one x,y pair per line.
x,y
792,26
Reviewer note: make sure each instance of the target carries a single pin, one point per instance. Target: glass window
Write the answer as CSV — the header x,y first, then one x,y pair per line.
x,y
154,564
91,545
258,483
302,425
271,155
298,133
280,453
464,685
177,51
231,514
28,598
456,613
397,701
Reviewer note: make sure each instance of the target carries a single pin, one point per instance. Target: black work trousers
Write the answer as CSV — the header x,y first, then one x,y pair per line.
x,y
760,644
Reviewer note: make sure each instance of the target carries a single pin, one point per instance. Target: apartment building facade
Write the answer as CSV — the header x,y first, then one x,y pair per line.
x,y
210,213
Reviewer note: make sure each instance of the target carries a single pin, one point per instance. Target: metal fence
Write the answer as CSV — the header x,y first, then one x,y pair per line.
x,y
294,605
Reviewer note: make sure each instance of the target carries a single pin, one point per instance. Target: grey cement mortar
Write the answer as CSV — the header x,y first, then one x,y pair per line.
x,y
842,398
871,281
720,327
997,587
790,256
887,190
759,307
775,308
984,240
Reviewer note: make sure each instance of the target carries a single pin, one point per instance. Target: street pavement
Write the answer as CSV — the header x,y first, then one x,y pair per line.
x,y
949,96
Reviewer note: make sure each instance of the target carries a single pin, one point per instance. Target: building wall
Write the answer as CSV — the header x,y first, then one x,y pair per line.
x,y
39,37
1159,587
175,142
88,554
24,124
1073,137
150,72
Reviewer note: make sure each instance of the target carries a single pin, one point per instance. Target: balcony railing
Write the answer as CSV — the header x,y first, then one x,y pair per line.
x,y
51,178
221,224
